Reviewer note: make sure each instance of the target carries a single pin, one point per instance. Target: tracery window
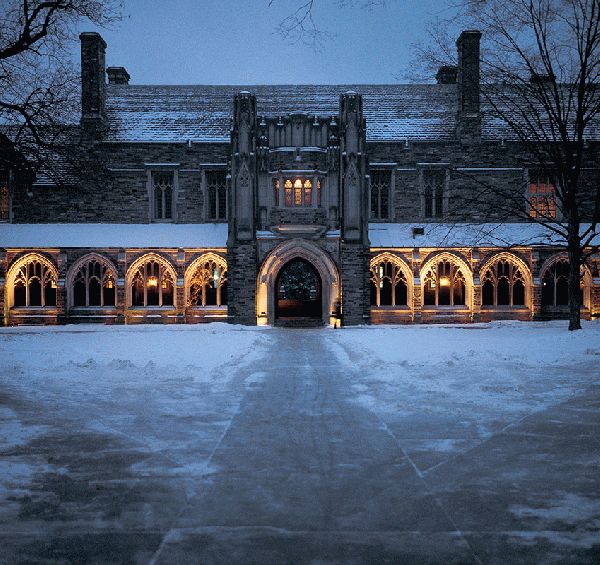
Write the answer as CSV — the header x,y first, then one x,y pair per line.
x,y
444,285
208,283
434,183
216,188
389,286
94,285
35,285
380,194
555,284
152,284
503,284
162,191
4,197
297,192
542,196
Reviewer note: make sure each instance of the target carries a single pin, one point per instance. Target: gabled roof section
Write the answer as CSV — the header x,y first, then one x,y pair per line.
x,y
396,112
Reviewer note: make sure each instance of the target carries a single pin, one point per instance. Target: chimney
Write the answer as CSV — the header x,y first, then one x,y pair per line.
x,y
468,118
117,75
447,74
93,84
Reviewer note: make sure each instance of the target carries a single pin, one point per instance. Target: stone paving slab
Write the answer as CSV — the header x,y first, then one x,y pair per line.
x,y
283,465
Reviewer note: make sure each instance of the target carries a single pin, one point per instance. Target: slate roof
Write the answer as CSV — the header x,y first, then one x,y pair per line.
x,y
203,113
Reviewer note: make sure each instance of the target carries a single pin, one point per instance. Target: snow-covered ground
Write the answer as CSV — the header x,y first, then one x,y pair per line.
x,y
503,367
174,444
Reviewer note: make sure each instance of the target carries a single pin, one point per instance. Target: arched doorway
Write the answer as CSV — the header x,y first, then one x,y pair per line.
x,y
298,291
319,263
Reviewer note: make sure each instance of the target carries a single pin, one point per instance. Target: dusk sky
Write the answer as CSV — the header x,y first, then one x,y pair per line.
x,y
236,42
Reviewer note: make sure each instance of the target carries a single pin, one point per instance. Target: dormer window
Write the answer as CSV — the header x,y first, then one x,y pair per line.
x,y
295,192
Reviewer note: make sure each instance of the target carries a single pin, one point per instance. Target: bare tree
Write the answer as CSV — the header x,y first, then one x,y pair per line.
x,y
39,94
301,26
540,81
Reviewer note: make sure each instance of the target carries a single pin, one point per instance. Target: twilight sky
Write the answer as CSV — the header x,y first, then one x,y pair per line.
x,y
235,42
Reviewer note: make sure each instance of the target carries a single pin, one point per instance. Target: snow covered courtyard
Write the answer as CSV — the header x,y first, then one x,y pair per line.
x,y
227,444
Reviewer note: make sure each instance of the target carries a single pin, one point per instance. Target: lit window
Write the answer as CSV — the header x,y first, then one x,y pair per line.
x,y
288,192
298,192
208,284
380,194
389,286
162,189
542,196
35,285
444,285
152,284
216,187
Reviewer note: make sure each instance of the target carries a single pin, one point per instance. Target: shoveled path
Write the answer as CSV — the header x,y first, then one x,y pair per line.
x,y
288,468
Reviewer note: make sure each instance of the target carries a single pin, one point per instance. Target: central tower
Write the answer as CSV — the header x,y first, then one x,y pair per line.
x,y
298,193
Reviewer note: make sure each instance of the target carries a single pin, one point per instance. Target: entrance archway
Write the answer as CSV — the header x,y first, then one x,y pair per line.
x,y
319,262
298,291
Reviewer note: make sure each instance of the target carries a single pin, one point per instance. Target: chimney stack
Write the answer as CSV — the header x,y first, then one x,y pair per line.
x,y
93,84
117,75
469,117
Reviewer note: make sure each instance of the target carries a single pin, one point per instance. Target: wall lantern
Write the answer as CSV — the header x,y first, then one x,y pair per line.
x,y
444,281
152,282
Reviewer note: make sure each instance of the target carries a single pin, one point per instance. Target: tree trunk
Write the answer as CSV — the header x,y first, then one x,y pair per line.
x,y
574,252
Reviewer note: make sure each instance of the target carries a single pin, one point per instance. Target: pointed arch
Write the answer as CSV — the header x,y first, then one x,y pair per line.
x,y
392,280
31,282
551,274
280,256
506,280
456,281
84,271
205,281
151,281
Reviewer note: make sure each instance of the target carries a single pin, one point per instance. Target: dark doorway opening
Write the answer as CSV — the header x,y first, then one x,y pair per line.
x,y
298,292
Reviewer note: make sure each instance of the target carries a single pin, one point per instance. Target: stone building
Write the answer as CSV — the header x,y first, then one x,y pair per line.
x,y
283,204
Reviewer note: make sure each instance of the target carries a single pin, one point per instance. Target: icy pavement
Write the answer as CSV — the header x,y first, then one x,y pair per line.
x,y
222,444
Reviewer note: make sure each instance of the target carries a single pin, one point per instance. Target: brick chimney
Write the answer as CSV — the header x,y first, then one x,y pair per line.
x,y
93,84
117,75
468,123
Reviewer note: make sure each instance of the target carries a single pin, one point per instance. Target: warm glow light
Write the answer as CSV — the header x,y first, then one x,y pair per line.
x,y
298,183
444,281
52,284
109,284
152,281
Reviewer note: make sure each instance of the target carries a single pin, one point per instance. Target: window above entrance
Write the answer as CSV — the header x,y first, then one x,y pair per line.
x,y
299,191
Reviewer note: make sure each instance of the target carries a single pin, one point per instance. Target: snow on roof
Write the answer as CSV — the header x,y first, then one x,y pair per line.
x,y
203,113
113,235
463,235
215,235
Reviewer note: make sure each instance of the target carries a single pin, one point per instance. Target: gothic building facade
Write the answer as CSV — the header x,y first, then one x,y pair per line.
x,y
284,204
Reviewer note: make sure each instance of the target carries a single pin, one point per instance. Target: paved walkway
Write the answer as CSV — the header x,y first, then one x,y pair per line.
x,y
288,469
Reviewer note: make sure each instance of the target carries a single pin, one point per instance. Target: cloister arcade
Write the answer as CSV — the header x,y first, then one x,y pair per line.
x,y
440,285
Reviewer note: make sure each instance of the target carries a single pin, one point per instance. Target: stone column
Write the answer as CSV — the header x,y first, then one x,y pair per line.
x,y
242,257
354,246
